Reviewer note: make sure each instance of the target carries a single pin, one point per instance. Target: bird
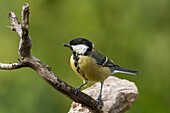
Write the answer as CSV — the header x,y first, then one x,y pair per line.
x,y
91,65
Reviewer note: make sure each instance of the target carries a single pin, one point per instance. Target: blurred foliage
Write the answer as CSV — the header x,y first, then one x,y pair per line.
x,y
135,34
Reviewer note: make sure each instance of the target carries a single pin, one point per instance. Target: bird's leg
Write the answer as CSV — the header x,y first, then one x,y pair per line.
x,y
79,88
99,99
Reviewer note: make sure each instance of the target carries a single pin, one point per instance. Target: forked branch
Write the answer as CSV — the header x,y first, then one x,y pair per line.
x,y
28,60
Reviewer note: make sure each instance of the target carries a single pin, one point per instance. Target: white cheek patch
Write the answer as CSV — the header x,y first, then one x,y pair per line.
x,y
81,48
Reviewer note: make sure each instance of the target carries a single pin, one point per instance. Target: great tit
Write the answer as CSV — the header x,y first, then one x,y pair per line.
x,y
91,65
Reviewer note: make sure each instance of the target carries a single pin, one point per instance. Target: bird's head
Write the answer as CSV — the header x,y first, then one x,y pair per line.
x,y
80,46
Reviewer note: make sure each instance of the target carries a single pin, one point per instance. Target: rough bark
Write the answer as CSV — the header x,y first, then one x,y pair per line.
x,y
28,60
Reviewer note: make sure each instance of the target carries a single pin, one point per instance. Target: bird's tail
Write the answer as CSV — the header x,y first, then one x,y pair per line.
x,y
124,70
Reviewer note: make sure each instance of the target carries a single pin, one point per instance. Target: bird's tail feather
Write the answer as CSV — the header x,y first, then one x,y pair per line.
x,y
124,70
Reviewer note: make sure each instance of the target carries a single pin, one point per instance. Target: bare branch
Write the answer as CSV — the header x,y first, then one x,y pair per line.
x,y
16,26
22,30
40,68
25,21
12,66
25,42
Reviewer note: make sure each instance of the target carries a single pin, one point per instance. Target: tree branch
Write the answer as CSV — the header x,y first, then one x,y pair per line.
x,y
25,20
28,60
22,30
12,66
16,26
43,70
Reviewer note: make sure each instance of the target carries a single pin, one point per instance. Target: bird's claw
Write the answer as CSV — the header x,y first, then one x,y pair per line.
x,y
77,90
99,101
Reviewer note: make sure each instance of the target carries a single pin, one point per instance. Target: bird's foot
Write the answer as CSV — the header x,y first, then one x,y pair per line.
x,y
77,90
99,100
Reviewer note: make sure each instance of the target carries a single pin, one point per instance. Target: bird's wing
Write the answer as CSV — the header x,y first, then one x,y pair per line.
x,y
101,59
106,62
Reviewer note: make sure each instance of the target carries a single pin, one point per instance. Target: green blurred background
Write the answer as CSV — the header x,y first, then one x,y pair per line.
x,y
134,33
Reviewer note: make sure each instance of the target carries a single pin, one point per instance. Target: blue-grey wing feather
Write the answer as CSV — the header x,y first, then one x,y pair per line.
x,y
106,62
102,60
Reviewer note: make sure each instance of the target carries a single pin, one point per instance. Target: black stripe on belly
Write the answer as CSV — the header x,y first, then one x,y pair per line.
x,y
76,58
78,69
85,77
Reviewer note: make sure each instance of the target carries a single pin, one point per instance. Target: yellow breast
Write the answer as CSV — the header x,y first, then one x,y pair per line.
x,y
89,69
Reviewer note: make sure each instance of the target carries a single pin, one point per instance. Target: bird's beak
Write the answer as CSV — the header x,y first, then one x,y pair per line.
x,y
66,45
